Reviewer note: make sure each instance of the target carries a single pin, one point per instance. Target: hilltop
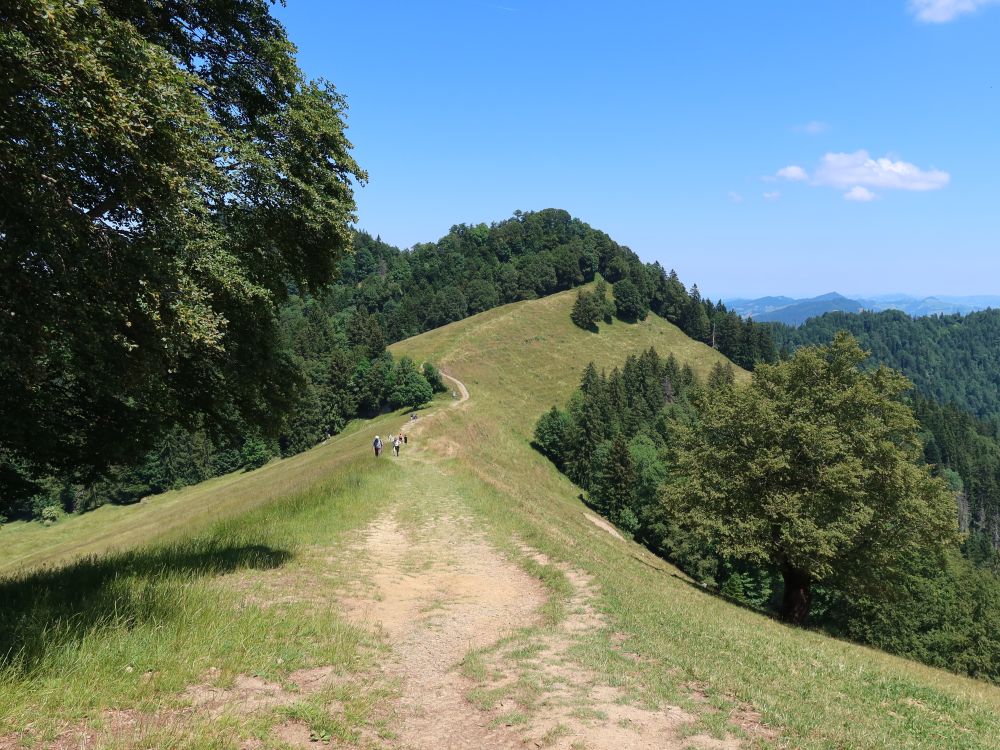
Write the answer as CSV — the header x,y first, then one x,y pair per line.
x,y
462,591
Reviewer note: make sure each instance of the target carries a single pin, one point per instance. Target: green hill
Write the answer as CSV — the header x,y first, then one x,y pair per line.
x,y
244,612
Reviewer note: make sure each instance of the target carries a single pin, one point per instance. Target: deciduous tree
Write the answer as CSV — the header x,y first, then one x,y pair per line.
x,y
167,173
814,469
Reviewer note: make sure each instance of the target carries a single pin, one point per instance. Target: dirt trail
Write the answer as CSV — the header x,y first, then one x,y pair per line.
x,y
439,593
462,390
436,593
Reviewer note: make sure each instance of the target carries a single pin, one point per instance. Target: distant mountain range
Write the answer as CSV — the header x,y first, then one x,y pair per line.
x,y
797,311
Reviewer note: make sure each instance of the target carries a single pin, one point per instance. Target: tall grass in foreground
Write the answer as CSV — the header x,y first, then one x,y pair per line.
x,y
129,629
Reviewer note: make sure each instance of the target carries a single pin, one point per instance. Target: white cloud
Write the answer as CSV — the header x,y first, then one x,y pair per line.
x,y
860,194
793,172
846,170
814,127
772,195
735,197
942,11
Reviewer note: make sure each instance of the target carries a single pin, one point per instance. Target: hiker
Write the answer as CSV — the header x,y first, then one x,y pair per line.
x,y
405,439
377,445
395,446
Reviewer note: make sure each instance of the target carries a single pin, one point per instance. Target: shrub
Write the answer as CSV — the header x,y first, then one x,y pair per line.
x,y
51,513
551,434
256,452
408,387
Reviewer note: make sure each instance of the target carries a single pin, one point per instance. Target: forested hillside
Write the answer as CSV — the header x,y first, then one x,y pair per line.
x,y
476,268
954,363
757,491
950,358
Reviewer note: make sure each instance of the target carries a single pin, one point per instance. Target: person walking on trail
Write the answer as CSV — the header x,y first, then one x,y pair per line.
x,y
405,439
395,446
377,445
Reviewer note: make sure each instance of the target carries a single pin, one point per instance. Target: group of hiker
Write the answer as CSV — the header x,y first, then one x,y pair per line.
x,y
395,440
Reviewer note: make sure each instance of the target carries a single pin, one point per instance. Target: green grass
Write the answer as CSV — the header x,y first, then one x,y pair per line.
x,y
136,628
166,597
519,360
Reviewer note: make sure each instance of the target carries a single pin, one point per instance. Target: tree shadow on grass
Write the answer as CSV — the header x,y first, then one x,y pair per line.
x,y
45,611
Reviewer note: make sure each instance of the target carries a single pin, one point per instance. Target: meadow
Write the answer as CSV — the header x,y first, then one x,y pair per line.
x,y
125,609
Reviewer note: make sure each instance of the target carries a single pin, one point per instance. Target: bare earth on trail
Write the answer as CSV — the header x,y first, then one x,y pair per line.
x,y
437,592
435,598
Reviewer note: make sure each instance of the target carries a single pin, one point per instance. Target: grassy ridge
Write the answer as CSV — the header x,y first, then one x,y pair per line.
x,y
85,637
179,513
519,360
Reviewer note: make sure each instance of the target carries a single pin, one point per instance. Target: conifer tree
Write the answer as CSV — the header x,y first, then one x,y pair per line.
x,y
613,491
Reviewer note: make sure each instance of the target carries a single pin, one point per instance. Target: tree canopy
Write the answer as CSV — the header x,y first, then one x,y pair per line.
x,y
167,174
950,358
813,468
938,608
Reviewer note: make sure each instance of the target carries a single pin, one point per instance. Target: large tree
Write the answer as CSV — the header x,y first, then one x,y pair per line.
x,y
167,175
813,469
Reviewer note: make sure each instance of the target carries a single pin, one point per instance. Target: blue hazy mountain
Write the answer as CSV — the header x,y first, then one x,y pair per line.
x,y
794,311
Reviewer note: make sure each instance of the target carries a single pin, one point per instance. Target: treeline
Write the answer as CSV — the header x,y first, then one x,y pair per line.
x,y
966,451
476,268
705,321
951,359
344,372
625,437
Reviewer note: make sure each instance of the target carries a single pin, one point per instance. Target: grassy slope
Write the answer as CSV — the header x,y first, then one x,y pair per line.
x,y
177,513
517,361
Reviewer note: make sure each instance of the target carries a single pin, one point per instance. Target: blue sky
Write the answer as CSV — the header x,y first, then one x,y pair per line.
x,y
756,147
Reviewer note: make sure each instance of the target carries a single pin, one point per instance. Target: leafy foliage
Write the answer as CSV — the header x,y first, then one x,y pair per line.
x,y
475,268
949,358
813,470
346,372
433,376
167,173
953,360
407,387
940,608
630,302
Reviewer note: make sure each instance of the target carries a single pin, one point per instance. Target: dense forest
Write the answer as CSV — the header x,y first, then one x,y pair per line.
x,y
343,371
476,268
949,358
954,363
633,439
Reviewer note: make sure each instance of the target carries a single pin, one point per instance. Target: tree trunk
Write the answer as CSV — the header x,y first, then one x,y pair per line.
x,y
797,597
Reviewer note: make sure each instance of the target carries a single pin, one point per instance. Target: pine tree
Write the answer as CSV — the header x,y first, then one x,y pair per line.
x,y
613,491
